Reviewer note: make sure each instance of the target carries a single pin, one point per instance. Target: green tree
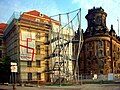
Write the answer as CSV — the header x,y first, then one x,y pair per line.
x,y
5,69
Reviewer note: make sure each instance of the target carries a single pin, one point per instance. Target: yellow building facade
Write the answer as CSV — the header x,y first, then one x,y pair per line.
x,y
26,38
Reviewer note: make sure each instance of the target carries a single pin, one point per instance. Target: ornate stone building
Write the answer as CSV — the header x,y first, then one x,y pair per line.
x,y
100,53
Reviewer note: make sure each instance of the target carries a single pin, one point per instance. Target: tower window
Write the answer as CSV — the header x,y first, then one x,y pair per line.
x,y
98,20
101,65
99,43
100,53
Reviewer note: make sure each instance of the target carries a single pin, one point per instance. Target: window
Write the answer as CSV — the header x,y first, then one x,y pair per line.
x,y
118,65
101,64
0,53
99,43
98,20
38,76
114,64
29,63
0,42
100,53
90,53
37,20
90,45
37,49
37,36
29,76
46,36
114,55
46,22
101,72
38,63
47,51
89,64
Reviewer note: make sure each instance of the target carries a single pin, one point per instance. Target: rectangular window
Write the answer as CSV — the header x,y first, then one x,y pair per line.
x,y
29,63
46,37
100,53
0,42
118,65
47,51
90,53
114,64
38,36
0,53
99,43
29,76
37,49
38,62
38,76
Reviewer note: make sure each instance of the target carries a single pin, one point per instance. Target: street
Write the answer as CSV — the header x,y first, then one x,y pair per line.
x,y
76,87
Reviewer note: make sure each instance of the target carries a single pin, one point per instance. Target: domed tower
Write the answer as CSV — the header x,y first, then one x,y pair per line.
x,y
96,19
95,56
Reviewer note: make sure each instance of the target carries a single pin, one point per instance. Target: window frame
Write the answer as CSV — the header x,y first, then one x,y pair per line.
x,y
29,76
29,63
38,64
38,76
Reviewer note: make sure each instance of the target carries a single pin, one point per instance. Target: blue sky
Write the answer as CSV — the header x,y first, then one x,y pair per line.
x,y
53,7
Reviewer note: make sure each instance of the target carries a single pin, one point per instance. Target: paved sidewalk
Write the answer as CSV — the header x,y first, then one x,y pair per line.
x,y
81,87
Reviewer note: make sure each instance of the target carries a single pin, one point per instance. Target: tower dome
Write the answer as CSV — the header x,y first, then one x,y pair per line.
x,y
96,19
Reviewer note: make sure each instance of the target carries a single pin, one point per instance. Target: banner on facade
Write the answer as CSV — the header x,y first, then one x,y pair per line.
x,y
27,45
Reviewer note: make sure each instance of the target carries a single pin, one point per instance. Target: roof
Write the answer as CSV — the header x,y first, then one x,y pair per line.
x,y
35,14
2,27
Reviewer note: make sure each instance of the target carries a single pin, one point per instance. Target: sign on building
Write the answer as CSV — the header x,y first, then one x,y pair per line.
x,y
14,67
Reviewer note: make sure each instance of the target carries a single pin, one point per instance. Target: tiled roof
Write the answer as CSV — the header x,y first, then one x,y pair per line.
x,y
2,27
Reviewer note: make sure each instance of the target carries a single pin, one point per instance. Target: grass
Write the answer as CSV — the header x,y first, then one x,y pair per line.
x,y
58,84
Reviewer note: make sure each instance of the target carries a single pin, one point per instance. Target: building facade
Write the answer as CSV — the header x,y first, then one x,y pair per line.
x,y
100,52
2,43
26,38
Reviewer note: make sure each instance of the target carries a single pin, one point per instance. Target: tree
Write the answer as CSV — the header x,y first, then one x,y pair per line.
x,y
5,69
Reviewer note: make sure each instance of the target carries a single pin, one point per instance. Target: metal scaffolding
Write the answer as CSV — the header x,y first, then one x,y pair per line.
x,y
61,39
